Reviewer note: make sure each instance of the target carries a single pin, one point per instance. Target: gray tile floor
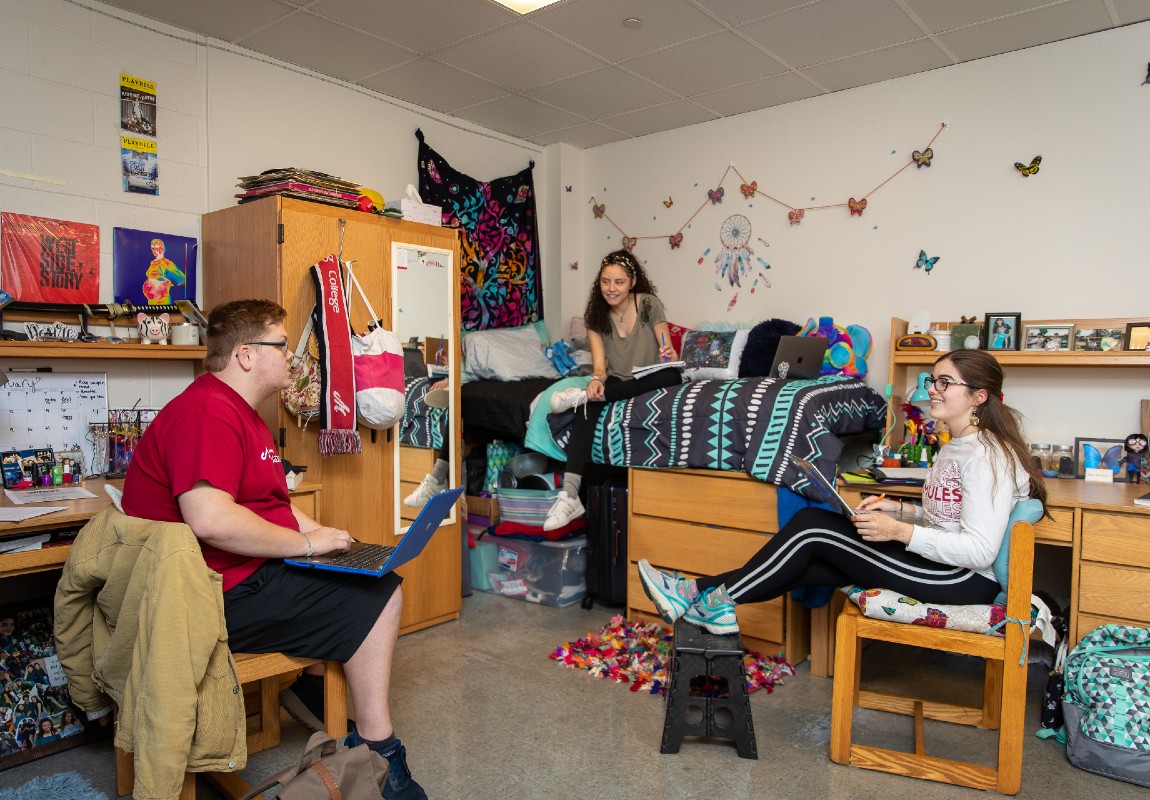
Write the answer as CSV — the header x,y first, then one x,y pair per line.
x,y
486,714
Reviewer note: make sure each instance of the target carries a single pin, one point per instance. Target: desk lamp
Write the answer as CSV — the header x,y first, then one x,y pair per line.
x,y
919,397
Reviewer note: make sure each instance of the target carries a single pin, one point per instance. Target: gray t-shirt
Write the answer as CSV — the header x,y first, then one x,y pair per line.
x,y
641,348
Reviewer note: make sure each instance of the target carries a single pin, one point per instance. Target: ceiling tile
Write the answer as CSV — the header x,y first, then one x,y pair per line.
x,y
519,56
833,29
519,116
1132,11
344,54
738,12
422,26
726,58
1027,30
433,85
602,94
598,24
589,135
880,65
785,88
946,15
660,118
222,19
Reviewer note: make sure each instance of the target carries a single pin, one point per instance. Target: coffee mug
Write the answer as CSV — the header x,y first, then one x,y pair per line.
x,y
185,333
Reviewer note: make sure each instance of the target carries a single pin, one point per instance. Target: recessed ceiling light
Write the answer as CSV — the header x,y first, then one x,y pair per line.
x,y
632,22
525,6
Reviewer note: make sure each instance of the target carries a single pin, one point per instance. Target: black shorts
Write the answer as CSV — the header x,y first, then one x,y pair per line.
x,y
310,613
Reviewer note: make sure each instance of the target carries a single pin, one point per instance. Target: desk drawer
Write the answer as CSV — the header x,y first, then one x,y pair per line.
x,y
1060,528
728,500
1116,538
1114,591
669,544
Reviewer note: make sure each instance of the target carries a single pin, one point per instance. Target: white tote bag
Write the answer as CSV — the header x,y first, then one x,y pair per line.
x,y
377,357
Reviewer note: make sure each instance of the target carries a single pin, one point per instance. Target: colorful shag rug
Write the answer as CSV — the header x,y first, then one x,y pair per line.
x,y
637,653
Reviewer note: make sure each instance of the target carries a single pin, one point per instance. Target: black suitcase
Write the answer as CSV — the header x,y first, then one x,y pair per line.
x,y
607,542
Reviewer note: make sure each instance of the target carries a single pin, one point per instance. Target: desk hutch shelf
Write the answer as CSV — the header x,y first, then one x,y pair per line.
x,y
102,350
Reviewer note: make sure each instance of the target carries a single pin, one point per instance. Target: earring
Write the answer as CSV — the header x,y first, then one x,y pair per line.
x,y
974,418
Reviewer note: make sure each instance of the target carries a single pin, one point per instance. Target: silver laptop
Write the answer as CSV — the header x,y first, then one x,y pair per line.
x,y
379,559
799,357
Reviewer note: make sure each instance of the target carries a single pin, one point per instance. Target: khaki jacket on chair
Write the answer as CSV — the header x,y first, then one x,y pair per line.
x,y
140,619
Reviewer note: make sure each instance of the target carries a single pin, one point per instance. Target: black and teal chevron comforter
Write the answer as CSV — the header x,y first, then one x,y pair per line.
x,y
754,425
421,426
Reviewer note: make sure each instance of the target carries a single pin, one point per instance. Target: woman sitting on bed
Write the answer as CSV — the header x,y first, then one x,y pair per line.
x,y
627,328
943,556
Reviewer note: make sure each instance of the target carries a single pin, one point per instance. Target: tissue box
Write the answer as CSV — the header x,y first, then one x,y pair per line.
x,y
550,573
416,212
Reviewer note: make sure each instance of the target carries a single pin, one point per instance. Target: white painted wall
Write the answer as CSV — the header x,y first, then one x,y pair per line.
x,y
1069,242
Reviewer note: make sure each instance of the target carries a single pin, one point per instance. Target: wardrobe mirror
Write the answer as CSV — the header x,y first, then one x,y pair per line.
x,y
423,310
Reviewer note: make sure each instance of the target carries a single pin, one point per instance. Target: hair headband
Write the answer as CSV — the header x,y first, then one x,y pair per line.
x,y
624,260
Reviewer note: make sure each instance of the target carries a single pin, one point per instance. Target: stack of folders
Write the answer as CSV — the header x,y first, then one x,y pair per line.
x,y
303,184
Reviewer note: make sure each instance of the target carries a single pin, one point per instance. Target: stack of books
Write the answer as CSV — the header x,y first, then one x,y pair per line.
x,y
299,183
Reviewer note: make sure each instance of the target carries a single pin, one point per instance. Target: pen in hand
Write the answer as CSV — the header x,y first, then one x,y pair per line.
x,y
663,341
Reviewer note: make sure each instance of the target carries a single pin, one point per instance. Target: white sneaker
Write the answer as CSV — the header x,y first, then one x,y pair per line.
x,y
437,398
567,398
563,510
427,488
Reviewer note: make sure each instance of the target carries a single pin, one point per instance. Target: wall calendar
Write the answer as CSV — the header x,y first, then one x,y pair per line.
x,y
55,409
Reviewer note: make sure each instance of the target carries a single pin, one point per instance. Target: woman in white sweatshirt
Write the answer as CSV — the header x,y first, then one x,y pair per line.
x,y
939,552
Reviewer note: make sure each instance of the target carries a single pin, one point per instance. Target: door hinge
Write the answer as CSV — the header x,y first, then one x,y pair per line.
x,y
281,233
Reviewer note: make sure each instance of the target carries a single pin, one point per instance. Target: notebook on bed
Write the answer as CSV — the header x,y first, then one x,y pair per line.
x,y
379,559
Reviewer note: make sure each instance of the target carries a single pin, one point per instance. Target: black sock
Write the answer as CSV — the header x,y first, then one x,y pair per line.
x,y
383,746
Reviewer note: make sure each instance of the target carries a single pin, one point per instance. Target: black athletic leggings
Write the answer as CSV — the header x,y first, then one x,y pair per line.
x,y
583,431
823,548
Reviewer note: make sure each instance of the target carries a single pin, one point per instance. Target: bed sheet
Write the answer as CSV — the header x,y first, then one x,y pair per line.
x,y
422,426
753,425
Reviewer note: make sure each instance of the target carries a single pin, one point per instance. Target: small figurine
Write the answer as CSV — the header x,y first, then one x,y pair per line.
x,y
1136,458
152,328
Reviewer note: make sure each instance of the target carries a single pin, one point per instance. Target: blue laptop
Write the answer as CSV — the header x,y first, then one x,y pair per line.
x,y
379,559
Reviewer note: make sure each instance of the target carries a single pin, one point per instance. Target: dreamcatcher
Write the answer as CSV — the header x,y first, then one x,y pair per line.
x,y
735,260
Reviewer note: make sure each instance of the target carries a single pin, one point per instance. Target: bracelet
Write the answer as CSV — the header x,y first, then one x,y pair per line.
x,y
309,552
900,506
595,378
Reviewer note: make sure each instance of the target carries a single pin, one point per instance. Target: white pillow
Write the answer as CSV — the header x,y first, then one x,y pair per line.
x,y
713,355
507,354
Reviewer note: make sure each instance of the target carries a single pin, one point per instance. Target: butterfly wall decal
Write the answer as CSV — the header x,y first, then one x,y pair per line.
x,y
629,243
795,215
856,206
1028,171
675,239
599,210
568,188
1147,74
1093,458
749,189
924,262
715,195
922,158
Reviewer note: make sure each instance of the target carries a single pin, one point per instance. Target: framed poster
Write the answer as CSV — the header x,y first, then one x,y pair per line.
x,y
152,268
46,260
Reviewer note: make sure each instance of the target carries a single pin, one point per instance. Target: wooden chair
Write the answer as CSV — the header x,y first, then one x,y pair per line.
x,y
267,669
1004,687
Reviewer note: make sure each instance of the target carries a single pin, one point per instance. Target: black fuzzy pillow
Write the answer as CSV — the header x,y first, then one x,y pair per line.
x,y
762,342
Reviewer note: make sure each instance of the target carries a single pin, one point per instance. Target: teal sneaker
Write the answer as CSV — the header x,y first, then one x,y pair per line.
x,y
670,593
714,610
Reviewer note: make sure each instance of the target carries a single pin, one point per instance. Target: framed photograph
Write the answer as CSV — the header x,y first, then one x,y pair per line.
x,y
1098,339
1096,453
1048,337
1137,336
1003,331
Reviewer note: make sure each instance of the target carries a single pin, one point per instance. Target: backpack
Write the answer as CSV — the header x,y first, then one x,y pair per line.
x,y
1106,704
329,771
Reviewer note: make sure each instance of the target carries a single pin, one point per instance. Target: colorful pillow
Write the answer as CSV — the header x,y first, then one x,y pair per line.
x,y
676,332
713,355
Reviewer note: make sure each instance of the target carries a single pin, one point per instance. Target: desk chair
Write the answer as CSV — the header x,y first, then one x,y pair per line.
x,y
267,669
1004,686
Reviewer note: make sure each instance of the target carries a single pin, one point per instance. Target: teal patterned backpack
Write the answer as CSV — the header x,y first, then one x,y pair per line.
x,y
1106,703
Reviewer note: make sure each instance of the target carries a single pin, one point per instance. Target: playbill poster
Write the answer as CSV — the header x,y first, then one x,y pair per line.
x,y
140,165
137,105
46,260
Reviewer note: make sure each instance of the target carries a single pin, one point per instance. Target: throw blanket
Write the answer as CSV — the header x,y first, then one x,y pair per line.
x,y
422,425
500,282
753,425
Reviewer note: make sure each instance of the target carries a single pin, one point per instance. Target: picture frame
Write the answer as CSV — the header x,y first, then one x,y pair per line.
x,y
1002,331
1106,452
1098,339
1049,337
1137,336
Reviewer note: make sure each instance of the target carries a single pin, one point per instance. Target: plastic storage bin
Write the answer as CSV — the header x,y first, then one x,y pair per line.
x,y
551,573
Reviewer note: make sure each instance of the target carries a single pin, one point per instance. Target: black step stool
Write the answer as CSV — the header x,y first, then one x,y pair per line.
x,y
701,654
